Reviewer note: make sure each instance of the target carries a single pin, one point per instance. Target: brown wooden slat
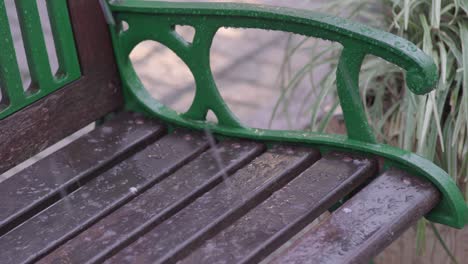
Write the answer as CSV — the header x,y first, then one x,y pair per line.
x,y
220,206
93,40
287,211
99,197
96,93
43,183
367,223
157,204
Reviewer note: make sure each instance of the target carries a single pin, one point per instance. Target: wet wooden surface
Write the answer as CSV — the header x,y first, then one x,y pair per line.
x,y
43,183
157,204
100,196
219,207
367,223
287,211
131,192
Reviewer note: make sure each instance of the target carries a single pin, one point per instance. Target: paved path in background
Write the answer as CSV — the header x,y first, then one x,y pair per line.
x,y
246,66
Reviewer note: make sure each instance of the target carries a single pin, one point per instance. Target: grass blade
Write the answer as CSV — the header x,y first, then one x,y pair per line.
x,y
442,242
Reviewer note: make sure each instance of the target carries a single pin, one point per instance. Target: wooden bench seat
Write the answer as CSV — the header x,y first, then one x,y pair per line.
x,y
40,185
130,192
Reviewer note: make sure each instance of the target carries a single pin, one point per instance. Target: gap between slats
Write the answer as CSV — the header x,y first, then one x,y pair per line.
x,y
221,206
147,210
169,153
287,211
366,223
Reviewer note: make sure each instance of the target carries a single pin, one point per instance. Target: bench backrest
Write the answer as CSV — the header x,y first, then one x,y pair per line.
x,y
85,87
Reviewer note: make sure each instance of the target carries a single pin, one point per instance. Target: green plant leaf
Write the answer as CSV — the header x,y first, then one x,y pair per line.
x,y
442,242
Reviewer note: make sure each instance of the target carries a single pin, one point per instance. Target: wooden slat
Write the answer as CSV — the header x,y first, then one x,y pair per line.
x,y
41,184
96,93
272,223
367,223
157,204
219,207
93,39
99,197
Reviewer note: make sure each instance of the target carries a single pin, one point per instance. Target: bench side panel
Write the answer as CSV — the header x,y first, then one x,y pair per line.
x,y
93,95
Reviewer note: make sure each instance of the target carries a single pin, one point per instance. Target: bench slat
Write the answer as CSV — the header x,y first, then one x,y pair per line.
x,y
220,206
367,223
272,223
156,204
99,197
43,183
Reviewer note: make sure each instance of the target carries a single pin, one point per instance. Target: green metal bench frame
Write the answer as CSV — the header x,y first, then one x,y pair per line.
x,y
43,80
151,20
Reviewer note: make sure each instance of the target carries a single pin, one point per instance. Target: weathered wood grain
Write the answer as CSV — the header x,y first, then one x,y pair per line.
x,y
104,194
287,211
40,185
219,207
157,204
367,223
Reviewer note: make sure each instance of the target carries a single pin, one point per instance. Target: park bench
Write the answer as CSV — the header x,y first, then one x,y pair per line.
x,y
151,185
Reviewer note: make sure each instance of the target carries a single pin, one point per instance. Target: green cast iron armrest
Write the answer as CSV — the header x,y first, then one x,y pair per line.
x,y
154,20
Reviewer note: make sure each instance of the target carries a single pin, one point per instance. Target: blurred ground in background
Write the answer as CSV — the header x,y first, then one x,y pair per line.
x,y
245,64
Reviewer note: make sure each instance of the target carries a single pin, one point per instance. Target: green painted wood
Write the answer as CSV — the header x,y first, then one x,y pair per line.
x,y
358,41
43,80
